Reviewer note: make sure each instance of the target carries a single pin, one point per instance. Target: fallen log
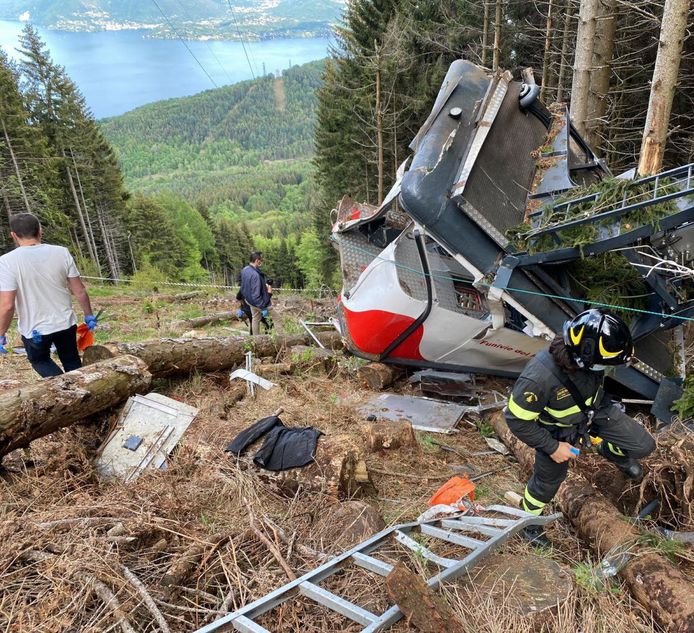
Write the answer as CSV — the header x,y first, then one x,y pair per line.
x,y
202,321
169,356
34,410
423,608
653,581
377,376
273,368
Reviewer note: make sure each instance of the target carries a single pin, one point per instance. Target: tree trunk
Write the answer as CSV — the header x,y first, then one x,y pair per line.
x,y
203,320
379,124
548,50
485,32
657,584
38,409
497,35
16,166
78,207
583,64
565,38
166,357
377,376
665,73
602,71
85,209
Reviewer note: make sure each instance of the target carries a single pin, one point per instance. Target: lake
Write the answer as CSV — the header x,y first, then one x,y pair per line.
x,y
121,70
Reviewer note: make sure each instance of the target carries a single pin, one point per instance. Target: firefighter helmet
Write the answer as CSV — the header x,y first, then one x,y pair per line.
x,y
595,337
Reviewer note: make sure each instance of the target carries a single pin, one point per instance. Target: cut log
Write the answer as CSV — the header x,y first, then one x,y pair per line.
x,y
166,357
273,368
377,376
390,434
655,582
37,409
423,608
202,321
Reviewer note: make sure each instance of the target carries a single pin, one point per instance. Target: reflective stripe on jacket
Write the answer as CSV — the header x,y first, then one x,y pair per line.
x,y
540,406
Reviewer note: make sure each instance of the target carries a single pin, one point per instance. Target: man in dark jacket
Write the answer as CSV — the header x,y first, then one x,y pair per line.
x,y
544,413
255,291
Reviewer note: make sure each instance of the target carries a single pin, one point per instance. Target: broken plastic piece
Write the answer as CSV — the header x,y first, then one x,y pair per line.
x,y
132,443
251,377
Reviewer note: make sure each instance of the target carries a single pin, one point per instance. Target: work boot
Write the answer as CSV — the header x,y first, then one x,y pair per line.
x,y
535,535
629,466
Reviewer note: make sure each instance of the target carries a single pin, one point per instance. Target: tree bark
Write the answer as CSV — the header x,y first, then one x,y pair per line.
x,y
80,215
485,32
497,35
377,376
602,71
563,63
379,123
35,410
583,64
168,356
388,434
548,50
656,583
423,608
665,74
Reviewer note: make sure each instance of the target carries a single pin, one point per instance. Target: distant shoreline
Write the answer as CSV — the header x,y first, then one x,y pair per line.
x,y
161,32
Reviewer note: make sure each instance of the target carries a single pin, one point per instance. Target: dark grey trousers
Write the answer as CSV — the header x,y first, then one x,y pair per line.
x,y
622,432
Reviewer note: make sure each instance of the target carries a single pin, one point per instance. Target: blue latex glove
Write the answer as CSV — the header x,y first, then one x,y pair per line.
x,y
90,320
3,342
240,313
36,336
264,312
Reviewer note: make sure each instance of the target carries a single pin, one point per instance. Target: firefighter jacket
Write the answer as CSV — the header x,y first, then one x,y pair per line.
x,y
541,411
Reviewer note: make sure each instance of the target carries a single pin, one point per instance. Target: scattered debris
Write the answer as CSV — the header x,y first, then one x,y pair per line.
x,y
445,383
147,430
498,446
252,378
425,414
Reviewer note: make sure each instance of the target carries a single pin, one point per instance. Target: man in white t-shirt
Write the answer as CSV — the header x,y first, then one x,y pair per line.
x,y
37,280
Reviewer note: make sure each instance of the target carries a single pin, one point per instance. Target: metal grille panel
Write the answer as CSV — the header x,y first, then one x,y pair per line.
x,y
356,253
502,176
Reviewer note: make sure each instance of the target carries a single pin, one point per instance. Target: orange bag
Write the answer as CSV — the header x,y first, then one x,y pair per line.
x,y
85,337
455,489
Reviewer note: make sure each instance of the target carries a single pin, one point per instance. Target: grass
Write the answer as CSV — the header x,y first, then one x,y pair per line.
x,y
665,546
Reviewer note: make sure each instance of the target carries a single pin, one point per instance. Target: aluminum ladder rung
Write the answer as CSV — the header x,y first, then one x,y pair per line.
x,y
494,522
410,543
450,537
372,564
246,625
337,604
480,528
512,511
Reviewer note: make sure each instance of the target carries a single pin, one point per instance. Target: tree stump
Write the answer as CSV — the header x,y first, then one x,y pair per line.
x,y
387,434
346,524
377,376
423,608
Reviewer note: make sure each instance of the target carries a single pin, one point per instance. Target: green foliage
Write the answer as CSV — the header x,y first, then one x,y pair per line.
x,y
149,278
665,546
685,405
309,253
485,428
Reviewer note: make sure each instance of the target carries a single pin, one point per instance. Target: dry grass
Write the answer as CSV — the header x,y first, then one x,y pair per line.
x,y
71,542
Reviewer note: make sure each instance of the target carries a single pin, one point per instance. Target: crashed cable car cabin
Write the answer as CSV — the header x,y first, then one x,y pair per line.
x,y
430,278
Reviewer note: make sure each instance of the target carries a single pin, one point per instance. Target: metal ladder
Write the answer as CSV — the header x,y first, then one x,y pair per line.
x,y
681,177
453,530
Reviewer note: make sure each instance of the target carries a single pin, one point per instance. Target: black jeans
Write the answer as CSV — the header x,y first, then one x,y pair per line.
x,y
39,354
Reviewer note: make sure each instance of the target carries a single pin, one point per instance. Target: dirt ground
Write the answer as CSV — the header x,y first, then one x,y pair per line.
x,y
81,554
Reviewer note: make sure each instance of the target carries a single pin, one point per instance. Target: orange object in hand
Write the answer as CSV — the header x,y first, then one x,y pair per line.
x,y
455,489
85,337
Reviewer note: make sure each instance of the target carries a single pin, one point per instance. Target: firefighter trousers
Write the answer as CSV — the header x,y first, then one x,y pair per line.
x,y
625,439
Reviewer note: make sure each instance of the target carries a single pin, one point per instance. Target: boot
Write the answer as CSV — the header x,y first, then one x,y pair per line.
x,y
535,535
629,466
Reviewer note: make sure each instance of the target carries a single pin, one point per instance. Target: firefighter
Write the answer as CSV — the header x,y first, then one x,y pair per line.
x,y
558,404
